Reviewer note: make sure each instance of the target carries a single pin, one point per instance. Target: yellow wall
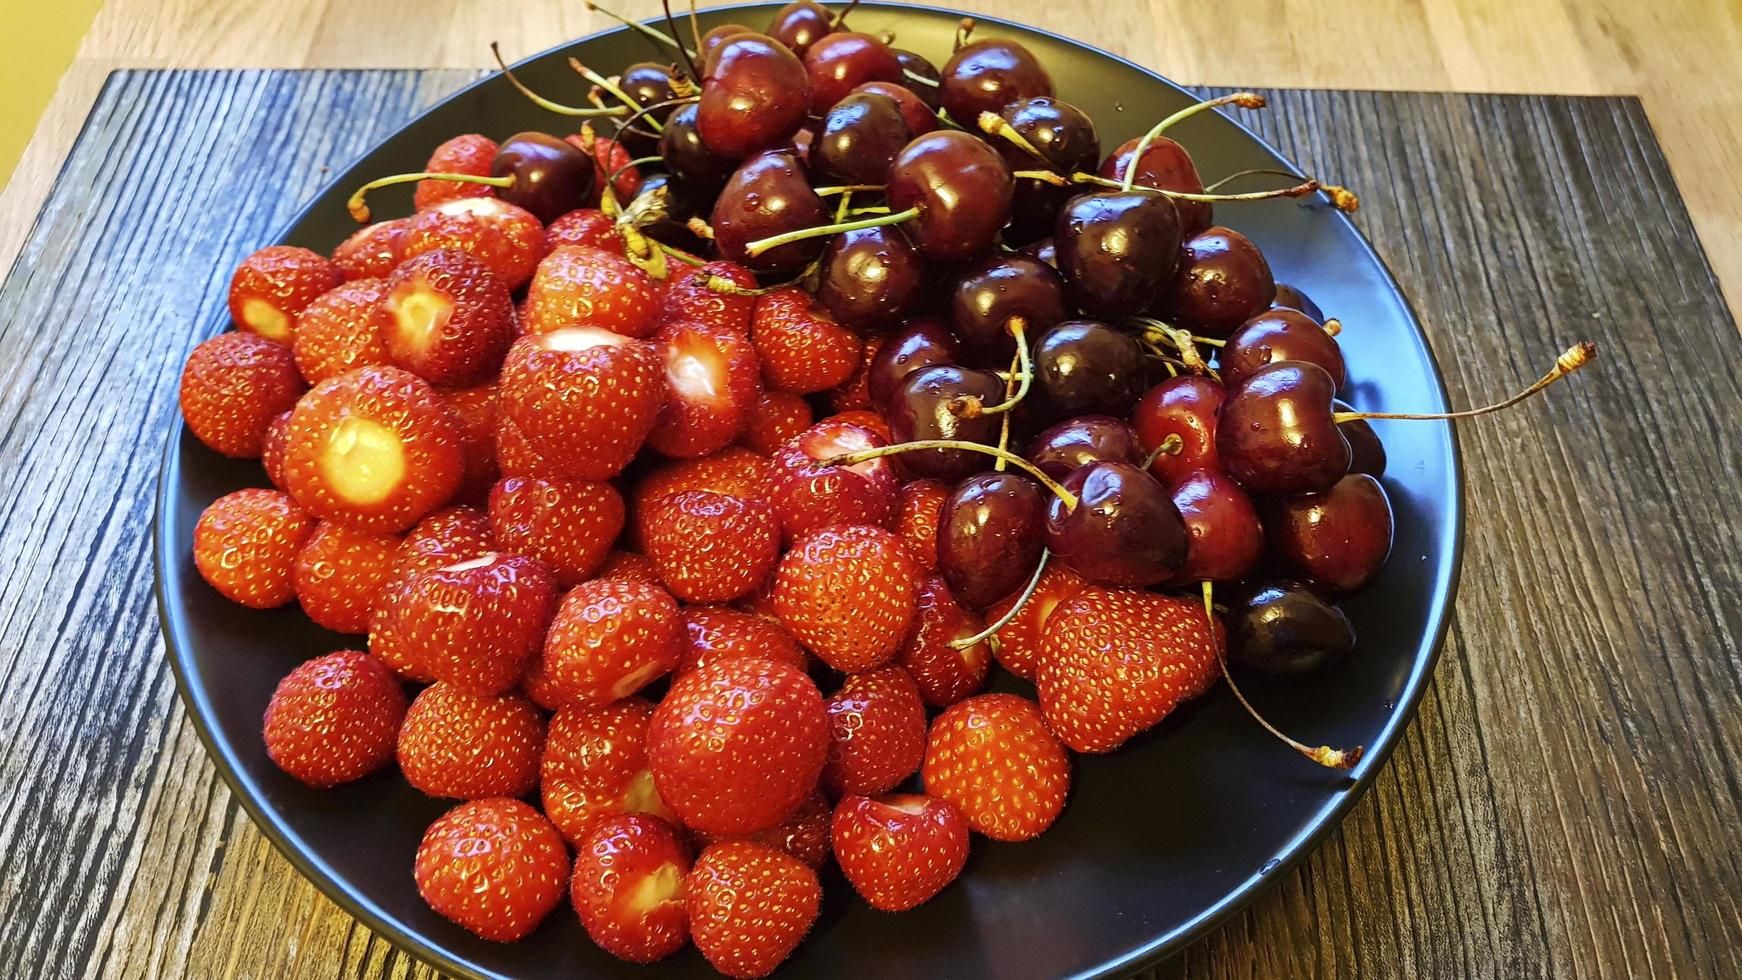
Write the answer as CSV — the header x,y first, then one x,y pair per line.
x,y
36,45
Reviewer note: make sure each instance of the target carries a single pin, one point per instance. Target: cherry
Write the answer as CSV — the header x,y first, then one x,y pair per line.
x,y
990,536
914,64
1285,630
931,403
1121,529
800,24
766,196
646,84
1117,250
1279,335
1044,250
988,75
914,110
992,291
1366,452
870,277
672,228
1336,540
961,189
754,96
1226,537
841,61
550,177
1084,367
713,41
700,170
1086,439
1187,407
1291,298
920,342
1275,433
1221,282
1165,166
858,139
1063,139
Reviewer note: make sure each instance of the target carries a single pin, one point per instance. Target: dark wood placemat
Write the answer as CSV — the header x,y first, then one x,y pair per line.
x,y
1566,803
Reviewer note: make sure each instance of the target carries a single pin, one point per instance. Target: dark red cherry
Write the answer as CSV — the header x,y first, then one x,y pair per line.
x,y
1291,298
551,178
1366,452
1066,139
919,65
962,189
1043,250
1086,439
1221,282
1336,540
992,291
914,110
1275,434
754,96
870,277
1124,529
990,535
988,75
858,139
1085,367
646,84
700,170
1186,406
715,39
768,196
800,24
1285,630
1226,537
672,229
1165,166
929,404
844,60
1279,335
1117,250
920,342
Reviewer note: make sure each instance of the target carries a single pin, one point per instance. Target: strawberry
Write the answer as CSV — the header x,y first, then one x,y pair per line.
x,y
711,385
595,766
586,226
372,251
271,288
608,158
333,719
687,297
855,394
944,674
246,543
804,834
611,639
898,851
1018,645
760,601
475,409
716,633
469,746
477,624
808,495
515,456
446,318
1117,661
340,573
737,745
848,594
584,397
385,641
568,525
373,449
628,566
495,866
272,448
628,887
709,547
504,238
446,537
993,757
468,153
919,506
337,331
233,386
776,417
801,346
749,906
865,419
876,732
733,471
576,285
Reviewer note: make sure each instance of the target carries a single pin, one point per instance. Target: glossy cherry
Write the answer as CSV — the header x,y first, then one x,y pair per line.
x,y
1084,367
990,532
995,289
929,404
1366,452
1279,335
551,178
1275,433
961,188
754,96
858,139
1064,447
839,62
870,277
646,84
1187,407
1067,142
1289,297
672,228
917,64
1165,166
988,75
700,170
1045,250
800,24
1221,282
1117,250
1336,540
1286,630
1124,529
915,111
713,41
766,196
1226,537
920,342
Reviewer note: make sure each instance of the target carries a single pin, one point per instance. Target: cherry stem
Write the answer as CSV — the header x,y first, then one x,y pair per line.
x,y
1236,175
1342,198
1573,358
1022,600
688,55
1324,755
1298,190
1246,100
964,28
868,209
841,18
611,87
1044,176
1154,326
992,124
1333,326
359,208
635,25
699,228
850,459
844,205
544,103
695,26
844,189
1009,379
914,76
1170,446
798,235
624,127
1022,374
637,162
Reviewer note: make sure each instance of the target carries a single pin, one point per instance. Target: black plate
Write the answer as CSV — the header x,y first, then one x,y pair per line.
x,y
1160,841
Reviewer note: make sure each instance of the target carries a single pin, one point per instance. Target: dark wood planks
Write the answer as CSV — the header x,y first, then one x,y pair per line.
x,y
1565,803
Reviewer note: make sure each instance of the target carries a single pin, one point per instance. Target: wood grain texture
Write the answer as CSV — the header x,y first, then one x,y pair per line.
x,y
1565,803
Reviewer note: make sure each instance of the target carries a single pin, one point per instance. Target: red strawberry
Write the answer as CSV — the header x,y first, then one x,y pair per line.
x,y
711,385
919,506
475,409
808,495
340,574
446,537
477,624
334,718
628,887
1018,645
760,601
687,297
750,906
584,397
337,331
580,286
877,732
608,158
494,866
1117,661
246,543
271,288
801,346
848,594
716,633
611,639
372,251
804,834
709,547
733,471
776,417
233,386
515,456
568,525
737,745
993,757
944,674
504,238
628,566
385,642
272,446
595,766
855,394
468,153
586,226
374,449
898,851
469,746
865,419
446,318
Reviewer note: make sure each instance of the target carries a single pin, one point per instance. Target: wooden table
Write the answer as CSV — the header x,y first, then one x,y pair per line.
x,y
1566,802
